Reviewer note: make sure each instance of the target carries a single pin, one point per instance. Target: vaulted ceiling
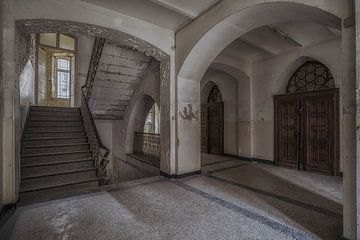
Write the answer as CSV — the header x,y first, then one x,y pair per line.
x,y
170,14
277,39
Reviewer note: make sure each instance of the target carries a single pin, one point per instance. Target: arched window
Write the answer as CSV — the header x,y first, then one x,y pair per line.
x,y
215,95
312,75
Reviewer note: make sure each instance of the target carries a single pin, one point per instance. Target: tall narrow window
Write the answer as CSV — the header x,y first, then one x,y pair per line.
x,y
63,76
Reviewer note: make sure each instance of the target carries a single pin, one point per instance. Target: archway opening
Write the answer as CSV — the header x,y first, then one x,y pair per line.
x,y
212,120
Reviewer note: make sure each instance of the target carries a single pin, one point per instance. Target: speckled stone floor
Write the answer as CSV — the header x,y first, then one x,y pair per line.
x,y
239,201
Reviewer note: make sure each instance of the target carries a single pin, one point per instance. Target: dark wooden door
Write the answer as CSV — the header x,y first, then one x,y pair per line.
x,y
319,114
204,128
212,129
287,141
306,131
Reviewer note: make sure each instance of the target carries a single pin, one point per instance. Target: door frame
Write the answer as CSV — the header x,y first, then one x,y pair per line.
x,y
336,139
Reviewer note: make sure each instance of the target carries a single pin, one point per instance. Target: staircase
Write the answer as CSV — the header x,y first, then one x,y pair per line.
x,y
55,153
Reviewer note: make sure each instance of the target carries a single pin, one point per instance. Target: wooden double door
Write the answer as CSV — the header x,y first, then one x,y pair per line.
x,y
212,128
307,131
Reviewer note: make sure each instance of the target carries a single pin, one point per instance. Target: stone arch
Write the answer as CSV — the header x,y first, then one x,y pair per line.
x,y
235,23
25,27
137,119
200,43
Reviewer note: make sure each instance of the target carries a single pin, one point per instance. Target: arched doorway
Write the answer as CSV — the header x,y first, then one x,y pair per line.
x,y
307,121
212,121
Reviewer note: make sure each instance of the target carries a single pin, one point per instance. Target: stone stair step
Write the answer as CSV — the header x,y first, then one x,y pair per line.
x,y
57,192
54,148
54,157
52,170
55,163
54,109
54,129
63,186
56,141
52,181
55,153
72,134
54,124
55,113
54,118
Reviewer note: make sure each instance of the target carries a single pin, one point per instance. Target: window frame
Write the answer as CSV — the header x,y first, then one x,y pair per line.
x,y
57,69
58,42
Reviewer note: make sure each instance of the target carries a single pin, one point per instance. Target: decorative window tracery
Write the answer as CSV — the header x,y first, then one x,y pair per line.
x,y
215,95
312,75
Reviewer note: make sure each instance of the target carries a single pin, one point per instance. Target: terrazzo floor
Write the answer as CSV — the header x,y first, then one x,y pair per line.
x,y
238,200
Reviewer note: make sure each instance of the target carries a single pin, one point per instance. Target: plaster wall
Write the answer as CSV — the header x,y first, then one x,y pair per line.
x,y
84,46
273,79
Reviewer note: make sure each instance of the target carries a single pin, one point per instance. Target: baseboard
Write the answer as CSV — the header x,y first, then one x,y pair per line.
x,y
177,176
248,159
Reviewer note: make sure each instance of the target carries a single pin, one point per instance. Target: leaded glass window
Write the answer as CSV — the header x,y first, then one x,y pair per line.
x,y
62,78
312,75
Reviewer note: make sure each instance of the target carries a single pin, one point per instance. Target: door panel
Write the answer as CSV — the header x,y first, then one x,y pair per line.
x,y
287,131
215,128
319,128
204,128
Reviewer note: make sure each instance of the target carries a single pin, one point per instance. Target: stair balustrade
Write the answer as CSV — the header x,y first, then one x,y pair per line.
x,y
147,144
99,152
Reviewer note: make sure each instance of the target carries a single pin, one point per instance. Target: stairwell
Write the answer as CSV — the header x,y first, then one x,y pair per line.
x,y
55,153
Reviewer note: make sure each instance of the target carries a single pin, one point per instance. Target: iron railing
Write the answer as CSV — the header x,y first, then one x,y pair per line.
x,y
147,144
99,152
94,63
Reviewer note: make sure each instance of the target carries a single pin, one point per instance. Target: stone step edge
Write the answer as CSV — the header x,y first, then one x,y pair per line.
x,y
55,119
54,145
51,138
59,173
53,153
53,163
47,123
55,132
58,185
